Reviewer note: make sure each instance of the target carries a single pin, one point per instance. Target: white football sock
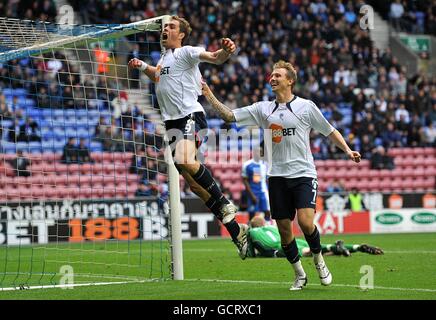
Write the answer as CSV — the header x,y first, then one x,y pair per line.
x,y
317,258
298,267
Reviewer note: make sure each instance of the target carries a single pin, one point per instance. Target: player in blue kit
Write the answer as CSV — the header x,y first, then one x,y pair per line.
x,y
254,177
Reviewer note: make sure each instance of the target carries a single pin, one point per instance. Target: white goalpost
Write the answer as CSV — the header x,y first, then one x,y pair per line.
x,y
90,194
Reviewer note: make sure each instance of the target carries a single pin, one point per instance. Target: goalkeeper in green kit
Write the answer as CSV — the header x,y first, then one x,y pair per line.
x,y
264,241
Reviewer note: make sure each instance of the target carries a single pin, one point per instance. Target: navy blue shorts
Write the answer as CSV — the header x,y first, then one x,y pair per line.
x,y
192,127
261,205
288,195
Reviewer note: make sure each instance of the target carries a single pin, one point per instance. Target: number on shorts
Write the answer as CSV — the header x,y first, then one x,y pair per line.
x,y
314,188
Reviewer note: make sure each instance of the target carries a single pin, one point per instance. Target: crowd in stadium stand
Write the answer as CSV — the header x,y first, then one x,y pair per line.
x,y
335,60
409,16
334,57
44,10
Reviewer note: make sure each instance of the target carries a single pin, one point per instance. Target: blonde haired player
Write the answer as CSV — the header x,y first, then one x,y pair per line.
x,y
292,178
178,84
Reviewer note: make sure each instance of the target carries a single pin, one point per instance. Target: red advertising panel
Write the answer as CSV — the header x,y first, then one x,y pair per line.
x,y
327,223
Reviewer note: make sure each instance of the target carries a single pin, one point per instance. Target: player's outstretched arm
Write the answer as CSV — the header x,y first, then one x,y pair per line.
x,y
149,70
225,112
220,56
340,142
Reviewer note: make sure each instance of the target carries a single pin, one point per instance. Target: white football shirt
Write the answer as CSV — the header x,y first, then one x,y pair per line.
x,y
178,82
287,144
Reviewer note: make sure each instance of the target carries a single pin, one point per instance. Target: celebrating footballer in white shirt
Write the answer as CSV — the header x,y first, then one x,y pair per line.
x,y
178,84
292,178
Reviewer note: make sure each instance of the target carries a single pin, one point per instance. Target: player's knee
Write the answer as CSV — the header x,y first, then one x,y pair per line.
x,y
306,226
195,188
191,168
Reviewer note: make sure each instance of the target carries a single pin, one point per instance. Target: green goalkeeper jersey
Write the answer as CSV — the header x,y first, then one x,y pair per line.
x,y
265,242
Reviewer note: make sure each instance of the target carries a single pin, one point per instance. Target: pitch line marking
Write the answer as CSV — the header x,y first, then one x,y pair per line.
x,y
69,285
389,251
310,284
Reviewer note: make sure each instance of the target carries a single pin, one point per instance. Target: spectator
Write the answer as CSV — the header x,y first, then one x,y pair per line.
x,y
139,160
390,137
145,189
335,187
120,105
111,139
14,130
101,58
134,73
20,164
401,111
429,135
29,131
101,126
151,143
14,106
5,112
396,13
83,154
355,201
187,192
69,154
380,160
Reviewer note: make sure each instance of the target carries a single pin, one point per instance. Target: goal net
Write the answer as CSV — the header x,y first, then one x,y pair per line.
x,y
85,196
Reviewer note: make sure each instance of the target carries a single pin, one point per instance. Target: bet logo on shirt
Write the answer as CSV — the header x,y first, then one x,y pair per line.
x,y
278,132
165,70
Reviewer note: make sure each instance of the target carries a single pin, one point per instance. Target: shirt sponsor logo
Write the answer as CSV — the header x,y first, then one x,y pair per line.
x,y
278,132
165,70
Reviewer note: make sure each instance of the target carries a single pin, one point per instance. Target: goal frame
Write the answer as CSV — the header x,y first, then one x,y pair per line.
x,y
66,41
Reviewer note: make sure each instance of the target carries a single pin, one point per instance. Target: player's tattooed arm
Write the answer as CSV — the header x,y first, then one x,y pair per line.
x,y
225,112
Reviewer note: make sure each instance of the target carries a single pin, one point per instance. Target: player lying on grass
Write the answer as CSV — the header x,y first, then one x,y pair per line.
x,y
264,241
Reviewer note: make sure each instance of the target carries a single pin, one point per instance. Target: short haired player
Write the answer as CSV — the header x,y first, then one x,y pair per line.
x,y
292,177
178,84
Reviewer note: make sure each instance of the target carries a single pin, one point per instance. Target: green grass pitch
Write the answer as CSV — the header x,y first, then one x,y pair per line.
x,y
213,270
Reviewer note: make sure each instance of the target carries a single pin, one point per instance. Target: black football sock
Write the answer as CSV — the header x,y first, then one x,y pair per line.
x,y
291,252
233,228
215,206
314,241
207,182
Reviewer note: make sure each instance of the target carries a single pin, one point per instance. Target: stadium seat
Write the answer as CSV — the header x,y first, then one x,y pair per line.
x,y
419,172
407,172
430,152
59,180
73,180
58,168
374,174
85,168
430,162
418,151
